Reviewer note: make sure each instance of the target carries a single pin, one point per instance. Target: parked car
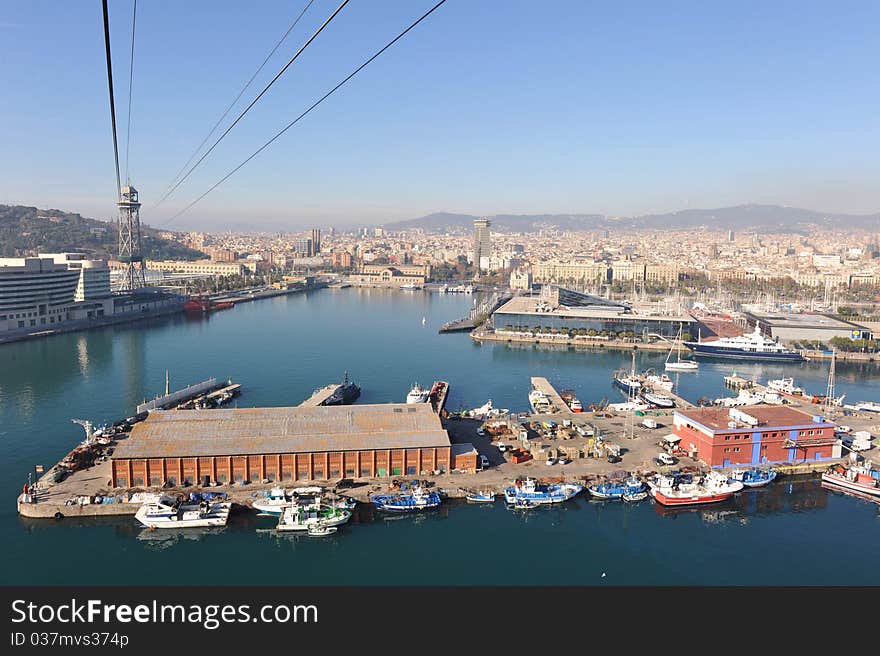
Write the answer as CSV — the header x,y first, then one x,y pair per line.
x,y
551,461
665,459
484,461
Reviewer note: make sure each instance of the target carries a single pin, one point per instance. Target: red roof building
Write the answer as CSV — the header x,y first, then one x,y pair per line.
x,y
754,435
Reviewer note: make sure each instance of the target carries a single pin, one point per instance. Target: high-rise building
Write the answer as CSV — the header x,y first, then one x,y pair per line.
x,y
305,247
482,242
316,241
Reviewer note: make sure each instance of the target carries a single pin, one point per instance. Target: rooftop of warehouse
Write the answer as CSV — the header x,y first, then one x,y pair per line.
x,y
717,419
243,431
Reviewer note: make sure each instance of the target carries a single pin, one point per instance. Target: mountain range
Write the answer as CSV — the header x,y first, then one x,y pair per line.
x,y
760,218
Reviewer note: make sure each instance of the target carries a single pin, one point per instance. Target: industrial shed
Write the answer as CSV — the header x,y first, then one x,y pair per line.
x,y
284,444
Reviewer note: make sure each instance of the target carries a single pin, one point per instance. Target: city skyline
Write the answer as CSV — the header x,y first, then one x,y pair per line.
x,y
615,115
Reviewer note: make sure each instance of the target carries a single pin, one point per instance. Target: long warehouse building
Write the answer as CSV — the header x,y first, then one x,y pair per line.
x,y
203,447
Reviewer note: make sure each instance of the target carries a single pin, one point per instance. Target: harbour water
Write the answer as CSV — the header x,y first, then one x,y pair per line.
x,y
281,349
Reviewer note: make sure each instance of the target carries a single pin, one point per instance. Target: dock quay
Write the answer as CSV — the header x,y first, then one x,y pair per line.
x,y
556,403
477,315
483,334
439,394
738,382
204,394
561,445
320,396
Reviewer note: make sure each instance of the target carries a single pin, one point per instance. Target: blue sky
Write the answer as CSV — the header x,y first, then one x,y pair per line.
x,y
487,107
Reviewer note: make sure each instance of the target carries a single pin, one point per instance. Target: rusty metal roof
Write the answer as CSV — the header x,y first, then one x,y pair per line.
x,y
242,431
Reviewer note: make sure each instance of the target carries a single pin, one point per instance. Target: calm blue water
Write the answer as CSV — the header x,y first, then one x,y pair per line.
x,y
281,349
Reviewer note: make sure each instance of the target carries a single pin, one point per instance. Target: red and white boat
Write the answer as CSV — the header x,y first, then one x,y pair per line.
x,y
859,478
710,488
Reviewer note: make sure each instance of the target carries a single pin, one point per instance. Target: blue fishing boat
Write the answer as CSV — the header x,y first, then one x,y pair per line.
x,y
754,477
541,493
413,499
617,489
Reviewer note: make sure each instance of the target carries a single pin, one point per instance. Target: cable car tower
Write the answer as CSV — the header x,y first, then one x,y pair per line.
x,y
130,239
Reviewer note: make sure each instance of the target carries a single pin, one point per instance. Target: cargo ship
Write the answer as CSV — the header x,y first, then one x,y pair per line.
x,y
203,304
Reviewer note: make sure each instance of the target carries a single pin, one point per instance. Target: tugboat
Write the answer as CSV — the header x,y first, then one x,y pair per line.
x,y
345,394
541,493
571,401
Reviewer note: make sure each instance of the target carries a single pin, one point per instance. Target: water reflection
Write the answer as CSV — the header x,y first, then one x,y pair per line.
x,y
794,496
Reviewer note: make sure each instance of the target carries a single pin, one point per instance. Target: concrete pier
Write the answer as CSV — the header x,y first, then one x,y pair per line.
x,y
320,396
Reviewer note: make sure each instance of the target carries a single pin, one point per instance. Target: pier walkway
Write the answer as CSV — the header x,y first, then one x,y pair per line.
x,y
320,396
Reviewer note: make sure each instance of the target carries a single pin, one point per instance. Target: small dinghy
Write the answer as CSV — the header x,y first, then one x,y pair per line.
x,y
319,530
480,497
634,496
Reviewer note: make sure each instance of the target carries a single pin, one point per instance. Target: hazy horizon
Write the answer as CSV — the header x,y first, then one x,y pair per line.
x,y
567,109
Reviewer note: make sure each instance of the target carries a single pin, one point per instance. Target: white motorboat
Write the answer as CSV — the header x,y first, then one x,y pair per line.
x,y
274,501
163,514
320,530
659,400
417,394
660,381
539,402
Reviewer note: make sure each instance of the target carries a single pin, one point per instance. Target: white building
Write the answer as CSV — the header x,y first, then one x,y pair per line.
x,y
44,291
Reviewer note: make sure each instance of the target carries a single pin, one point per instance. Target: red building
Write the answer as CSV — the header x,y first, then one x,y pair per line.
x,y
754,435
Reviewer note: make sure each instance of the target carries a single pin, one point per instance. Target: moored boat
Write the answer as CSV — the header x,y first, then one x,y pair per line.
x,y
321,529
617,489
671,490
165,514
660,381
413,499
541,493
753,346
417,394
539,402
480,496
659,400
633,497
273,501
753,476
858,478
678,364
299,517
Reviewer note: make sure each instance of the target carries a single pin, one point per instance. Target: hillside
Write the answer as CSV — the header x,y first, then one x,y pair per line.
x,y
762,218
29,230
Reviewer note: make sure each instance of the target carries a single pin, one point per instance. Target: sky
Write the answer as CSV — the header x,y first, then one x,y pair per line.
x,y
487,107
